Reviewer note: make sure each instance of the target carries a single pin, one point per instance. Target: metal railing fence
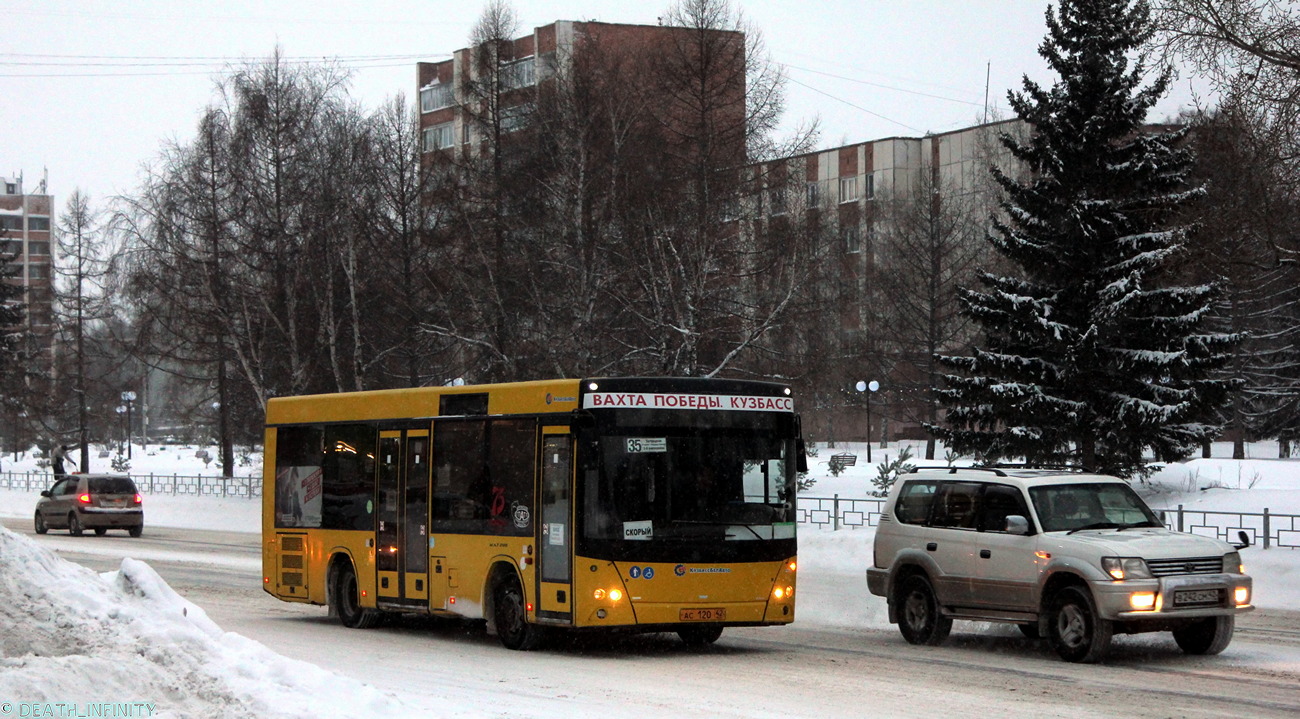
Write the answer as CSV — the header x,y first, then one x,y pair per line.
x,y
1264,529
155,484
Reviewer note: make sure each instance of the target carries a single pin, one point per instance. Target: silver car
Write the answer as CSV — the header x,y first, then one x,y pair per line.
x,y
1072,557
91,501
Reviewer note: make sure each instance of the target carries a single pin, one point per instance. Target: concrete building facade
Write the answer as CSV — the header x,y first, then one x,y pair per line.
x,y
26,225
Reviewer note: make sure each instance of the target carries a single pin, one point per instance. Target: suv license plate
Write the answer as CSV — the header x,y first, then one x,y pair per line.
x,y
703,615
1197,597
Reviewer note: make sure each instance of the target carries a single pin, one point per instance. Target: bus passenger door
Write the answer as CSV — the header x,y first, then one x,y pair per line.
x,y
555,540
415,519
402,517
387,516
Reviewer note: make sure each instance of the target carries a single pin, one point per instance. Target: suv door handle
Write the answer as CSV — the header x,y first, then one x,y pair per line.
x,y
985,554
932,546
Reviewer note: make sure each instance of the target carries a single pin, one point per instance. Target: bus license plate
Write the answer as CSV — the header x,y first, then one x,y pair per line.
x,y
703,615
1196,596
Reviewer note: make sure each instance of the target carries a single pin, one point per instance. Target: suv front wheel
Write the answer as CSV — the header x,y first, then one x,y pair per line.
x,y
1208,636
919,618
1077,632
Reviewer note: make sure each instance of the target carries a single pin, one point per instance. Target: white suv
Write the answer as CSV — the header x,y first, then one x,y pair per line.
x,y
1075,557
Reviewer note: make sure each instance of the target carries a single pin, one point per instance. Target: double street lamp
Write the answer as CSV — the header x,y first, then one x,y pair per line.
x,y
129,398
867,388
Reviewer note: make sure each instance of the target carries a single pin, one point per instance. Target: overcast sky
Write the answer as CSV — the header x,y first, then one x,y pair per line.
x,y
90,90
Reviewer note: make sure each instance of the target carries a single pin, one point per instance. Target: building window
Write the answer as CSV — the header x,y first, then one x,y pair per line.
x,y
11,248
776,200
522,73
38,224
814,194
437,96
11,188
38,272
852,237
848,189
439,137
515,117
869,189
38,248
11,222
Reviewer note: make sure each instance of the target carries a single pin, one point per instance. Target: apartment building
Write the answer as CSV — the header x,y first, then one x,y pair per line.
x,y
26,220
525,62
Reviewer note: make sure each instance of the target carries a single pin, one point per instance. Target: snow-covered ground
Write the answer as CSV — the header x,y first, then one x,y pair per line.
x,y
71,635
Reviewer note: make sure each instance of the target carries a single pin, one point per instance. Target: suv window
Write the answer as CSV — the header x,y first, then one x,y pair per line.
x,y
955,505
111,485
1063,507
999,502
914,499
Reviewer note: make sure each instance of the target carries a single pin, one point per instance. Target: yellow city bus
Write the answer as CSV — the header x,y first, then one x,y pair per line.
x,y
643,504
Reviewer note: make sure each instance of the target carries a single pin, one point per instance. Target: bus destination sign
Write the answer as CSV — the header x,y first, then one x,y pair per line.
x,y
690,402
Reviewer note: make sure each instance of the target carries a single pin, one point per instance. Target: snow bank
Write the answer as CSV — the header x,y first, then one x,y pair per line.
x,y
76,637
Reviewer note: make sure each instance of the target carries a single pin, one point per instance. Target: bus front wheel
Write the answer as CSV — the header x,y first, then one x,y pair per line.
x,y
347,600
511,617
700,636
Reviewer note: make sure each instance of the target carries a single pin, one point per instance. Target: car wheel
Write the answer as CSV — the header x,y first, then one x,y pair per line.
x,y
41,528
511,617
919,618
1209,636
74,524
101,531
136,531
1077,633
699,636
347,600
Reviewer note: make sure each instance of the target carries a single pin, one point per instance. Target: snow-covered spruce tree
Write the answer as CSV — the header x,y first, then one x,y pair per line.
x,y
1087,355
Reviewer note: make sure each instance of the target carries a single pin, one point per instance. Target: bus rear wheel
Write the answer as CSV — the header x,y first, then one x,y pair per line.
x,y
511,617
346,596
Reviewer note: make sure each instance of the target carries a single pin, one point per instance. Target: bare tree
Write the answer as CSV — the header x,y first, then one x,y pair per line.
x,y
930,243
80,301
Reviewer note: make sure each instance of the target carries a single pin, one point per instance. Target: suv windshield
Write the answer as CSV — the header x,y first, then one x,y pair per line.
x,y
110,485
1071,507
663,486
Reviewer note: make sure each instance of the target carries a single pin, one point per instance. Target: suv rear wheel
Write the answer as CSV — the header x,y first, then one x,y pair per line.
x,y
1076,631
74,524
1208,636
919,618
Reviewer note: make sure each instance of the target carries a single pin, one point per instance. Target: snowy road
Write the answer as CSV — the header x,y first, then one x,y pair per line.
x,y
813,668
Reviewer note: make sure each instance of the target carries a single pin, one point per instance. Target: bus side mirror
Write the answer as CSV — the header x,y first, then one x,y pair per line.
x,y
801,456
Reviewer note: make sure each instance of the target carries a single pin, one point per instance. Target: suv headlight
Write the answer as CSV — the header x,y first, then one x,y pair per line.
x,y
1232,563
1126,568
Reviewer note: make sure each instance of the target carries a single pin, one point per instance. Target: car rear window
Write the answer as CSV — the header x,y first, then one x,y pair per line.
x,y
913,505
111,485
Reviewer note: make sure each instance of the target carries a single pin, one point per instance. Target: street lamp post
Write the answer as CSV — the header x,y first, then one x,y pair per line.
x,y
867,388
121,412
129,398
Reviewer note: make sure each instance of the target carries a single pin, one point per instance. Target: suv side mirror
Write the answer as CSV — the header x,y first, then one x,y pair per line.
x,y
46,493
1243,540
1017,524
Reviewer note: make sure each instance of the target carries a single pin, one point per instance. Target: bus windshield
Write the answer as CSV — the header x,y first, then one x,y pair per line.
x,y
662,486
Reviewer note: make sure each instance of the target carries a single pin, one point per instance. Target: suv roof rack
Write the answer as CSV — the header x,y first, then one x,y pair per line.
x,y
953,470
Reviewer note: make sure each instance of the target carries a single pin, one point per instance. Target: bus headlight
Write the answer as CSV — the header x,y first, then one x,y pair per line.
x,y
786,592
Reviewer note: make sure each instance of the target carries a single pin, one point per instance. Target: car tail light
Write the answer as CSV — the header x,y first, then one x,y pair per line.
x,y
84,499
139,499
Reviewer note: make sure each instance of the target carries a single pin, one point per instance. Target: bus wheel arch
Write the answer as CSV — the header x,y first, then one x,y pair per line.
x,y
343,591
506,609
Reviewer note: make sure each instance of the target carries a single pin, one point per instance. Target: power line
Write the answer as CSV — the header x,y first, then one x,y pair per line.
x,y
856,106
885,87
